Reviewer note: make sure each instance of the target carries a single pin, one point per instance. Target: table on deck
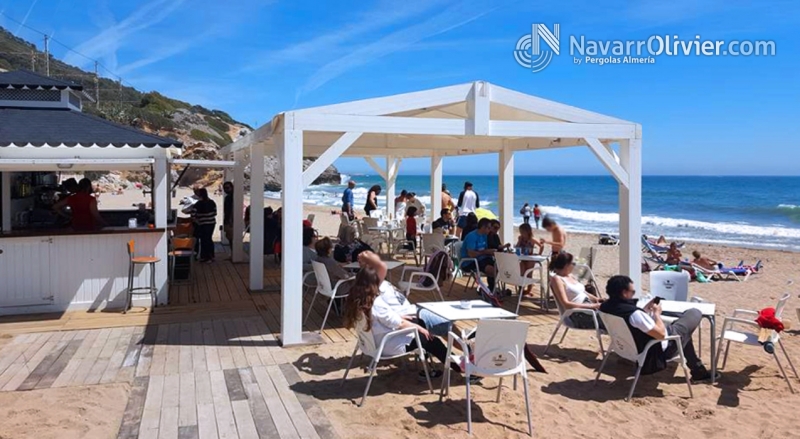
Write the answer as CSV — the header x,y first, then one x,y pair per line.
x,y
452,310
675,308
544,287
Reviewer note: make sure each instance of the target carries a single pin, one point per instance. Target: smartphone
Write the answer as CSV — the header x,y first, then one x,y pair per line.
x,y
657,300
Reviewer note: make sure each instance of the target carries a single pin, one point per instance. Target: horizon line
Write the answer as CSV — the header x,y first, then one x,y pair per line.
x,y
581,175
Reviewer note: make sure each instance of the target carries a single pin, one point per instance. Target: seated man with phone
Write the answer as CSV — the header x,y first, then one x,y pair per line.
x,y
646,324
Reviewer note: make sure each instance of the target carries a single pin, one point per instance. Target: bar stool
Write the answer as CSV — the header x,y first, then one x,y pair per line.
x,y
183,248
133,262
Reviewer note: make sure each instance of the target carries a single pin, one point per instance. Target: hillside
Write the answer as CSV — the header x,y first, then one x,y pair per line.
x,y
203,131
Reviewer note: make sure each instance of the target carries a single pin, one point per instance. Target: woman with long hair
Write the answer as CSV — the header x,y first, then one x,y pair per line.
x,y
372,199
383,309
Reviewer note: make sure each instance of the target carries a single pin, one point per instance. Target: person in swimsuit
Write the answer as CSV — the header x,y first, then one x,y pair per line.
x,y
572,294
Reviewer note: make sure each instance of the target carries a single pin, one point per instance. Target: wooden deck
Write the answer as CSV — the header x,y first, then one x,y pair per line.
x,y
205,366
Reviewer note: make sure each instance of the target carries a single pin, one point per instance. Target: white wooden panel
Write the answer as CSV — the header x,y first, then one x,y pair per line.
x,y
80,271
23,272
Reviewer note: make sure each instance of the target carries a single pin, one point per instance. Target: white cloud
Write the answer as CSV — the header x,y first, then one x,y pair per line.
x,y
105,44
452,17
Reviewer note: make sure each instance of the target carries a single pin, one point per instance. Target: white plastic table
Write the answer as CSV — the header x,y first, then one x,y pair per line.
x,y
453,312
676,308
544,287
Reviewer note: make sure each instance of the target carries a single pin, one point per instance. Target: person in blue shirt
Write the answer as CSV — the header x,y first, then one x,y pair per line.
x,y
476,246
347,200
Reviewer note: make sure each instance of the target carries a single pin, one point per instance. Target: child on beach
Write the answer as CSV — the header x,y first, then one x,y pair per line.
x,y
558,235
526,213
527,245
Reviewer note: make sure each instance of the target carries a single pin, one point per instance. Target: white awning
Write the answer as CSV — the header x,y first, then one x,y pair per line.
x,y
204,163
31,165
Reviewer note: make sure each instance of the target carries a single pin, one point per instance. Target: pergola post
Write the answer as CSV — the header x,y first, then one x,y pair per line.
x,y
5,200
237,247
436,186
506,201
391,186
630,210
160,206
292,255
256,217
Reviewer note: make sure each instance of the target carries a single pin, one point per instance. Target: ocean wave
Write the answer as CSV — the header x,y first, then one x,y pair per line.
x,y
788,206
663,222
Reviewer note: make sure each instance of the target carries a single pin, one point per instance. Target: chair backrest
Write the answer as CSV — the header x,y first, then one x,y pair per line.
x,y
366,340
499,345
432,242
183,243
670,285
621,337
554,278
183,229
781,305
457,250
345,220
370,222
310,218
584,274
508,270
585,256
323,280
131,248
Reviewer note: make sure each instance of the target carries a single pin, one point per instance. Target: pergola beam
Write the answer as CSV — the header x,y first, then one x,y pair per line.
x,y
609,161
376,167
328,157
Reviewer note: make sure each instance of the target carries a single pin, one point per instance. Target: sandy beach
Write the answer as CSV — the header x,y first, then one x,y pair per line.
x,y
751,399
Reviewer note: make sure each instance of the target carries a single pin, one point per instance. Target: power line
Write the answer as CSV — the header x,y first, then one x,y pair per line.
x,y
66,47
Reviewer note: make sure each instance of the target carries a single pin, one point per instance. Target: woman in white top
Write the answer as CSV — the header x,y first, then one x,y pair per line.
x,y
372,298
572,294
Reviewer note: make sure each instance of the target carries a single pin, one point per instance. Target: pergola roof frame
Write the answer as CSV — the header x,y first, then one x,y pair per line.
x,y
464,119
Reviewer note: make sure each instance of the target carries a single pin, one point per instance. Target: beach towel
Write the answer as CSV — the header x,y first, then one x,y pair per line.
x,y
767,320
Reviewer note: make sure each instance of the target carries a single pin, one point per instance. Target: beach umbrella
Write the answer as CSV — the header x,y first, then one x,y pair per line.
x,y
484,213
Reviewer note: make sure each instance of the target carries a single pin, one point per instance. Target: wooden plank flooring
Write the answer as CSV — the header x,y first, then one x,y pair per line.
x,y
206,366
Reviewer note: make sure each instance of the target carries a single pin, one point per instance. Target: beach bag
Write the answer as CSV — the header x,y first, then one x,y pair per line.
x,y
439,266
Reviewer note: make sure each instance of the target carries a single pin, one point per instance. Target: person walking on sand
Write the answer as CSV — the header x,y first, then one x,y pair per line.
x,y
526,213
372,199
348,200
537,215
447,199
468,201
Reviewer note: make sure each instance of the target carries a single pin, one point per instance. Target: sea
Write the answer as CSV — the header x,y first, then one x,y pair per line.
x,y
755,212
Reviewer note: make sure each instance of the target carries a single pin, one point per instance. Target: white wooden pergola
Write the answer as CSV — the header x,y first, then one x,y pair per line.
x,y
472,118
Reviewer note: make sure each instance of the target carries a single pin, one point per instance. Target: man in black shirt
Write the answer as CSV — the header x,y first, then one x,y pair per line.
x,y
444,222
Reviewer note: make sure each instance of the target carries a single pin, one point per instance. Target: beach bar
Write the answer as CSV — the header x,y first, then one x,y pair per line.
x,y
48,267
465,119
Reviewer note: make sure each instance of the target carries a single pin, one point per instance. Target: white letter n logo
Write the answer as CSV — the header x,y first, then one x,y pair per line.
x,y
541,32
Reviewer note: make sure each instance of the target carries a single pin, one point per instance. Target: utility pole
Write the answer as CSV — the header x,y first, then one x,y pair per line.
x,y
47,54
33,60
96,86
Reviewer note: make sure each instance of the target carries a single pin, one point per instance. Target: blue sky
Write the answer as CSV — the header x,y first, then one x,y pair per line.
x,y
700,115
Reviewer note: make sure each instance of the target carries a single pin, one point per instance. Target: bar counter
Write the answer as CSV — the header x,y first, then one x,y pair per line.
x,y
66,231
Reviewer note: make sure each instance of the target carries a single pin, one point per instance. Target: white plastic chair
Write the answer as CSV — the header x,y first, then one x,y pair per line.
x,y
585,275
499,352
415,281
310,218
431,243
508,272
564,320
459,261
324,288
623,345
366,343
674,285
309,281
751,338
